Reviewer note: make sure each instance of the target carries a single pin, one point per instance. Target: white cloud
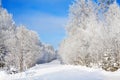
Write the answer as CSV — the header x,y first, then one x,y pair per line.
x,y
42,21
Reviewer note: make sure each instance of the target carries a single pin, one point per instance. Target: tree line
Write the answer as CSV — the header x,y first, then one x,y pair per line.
x,y
93,35
20,48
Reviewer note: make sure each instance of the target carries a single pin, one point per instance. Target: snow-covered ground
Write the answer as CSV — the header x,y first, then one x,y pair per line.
x,y
56,71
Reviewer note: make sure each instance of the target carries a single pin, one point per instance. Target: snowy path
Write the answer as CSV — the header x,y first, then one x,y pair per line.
x,y
63,72
59,72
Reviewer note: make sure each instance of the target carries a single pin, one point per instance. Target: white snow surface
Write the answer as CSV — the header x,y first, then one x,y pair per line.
x,y
56,71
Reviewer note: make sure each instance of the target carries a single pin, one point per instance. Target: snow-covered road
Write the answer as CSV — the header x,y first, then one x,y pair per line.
x,y
53,71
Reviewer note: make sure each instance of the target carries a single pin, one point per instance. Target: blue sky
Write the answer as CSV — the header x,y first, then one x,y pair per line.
x,y
46,17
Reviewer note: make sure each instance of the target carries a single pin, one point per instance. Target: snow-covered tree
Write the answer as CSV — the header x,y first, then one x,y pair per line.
x,y
26,48
7,28
48,53
90,33
112,17
81,28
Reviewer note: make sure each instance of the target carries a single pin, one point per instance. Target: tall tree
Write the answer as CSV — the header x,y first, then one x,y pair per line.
x,y
7,28
27,48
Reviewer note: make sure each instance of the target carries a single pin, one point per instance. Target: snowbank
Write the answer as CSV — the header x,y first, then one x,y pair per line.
x,y
3,75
